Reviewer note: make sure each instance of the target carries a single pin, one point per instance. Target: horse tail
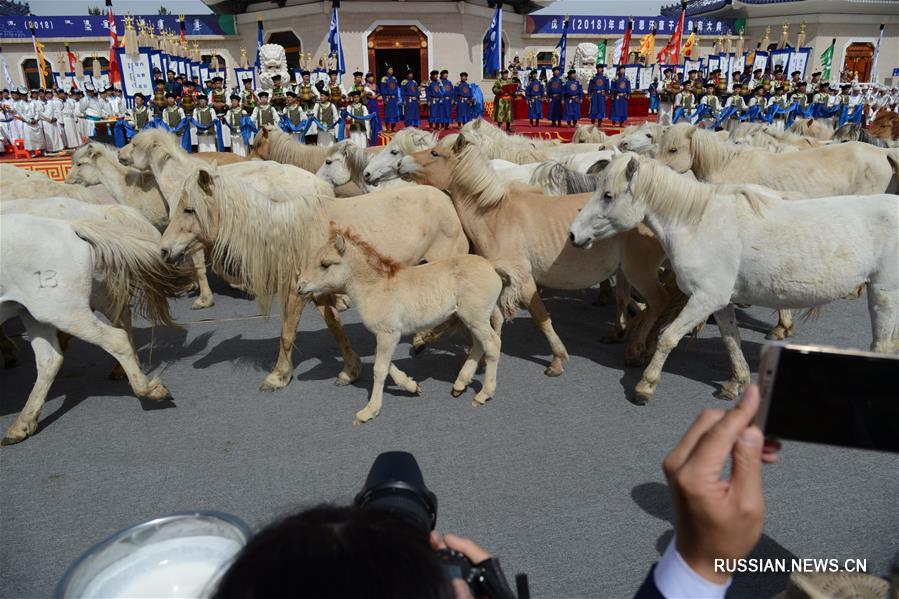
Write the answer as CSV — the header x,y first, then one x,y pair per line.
x,y
514,276
812,313
129,262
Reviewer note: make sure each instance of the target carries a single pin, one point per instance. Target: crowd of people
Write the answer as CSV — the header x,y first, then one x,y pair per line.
x,y
53,120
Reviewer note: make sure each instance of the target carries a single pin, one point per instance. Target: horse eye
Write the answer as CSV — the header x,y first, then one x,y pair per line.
x,y
673,150
328,161
607,196
393,152
434,154
189,211
325,265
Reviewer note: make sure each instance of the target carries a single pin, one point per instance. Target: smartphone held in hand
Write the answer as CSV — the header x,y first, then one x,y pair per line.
x,y
831,396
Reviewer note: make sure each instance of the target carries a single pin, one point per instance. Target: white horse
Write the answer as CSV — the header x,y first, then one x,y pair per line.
x,y
384,165
743,244
56,273
346,164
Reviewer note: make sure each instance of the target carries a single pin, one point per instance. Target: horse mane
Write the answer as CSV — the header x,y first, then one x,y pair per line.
x,y
554,177
356,158
264,243
410,140
285,149
709,153
473,176
165,145
382,264
677,197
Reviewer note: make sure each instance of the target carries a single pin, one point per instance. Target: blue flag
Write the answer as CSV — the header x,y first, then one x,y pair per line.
x,y
493,44
259,42
562,45
334,46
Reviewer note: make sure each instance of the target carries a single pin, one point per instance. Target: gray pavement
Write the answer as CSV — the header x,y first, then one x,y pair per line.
x,y
560,477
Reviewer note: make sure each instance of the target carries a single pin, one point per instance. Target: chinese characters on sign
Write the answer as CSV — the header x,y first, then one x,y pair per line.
x,y
607,25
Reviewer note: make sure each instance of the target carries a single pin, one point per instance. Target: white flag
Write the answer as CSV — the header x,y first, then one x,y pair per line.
x,y
617,53
9,83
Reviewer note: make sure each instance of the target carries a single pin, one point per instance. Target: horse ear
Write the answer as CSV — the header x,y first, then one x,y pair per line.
x,y
477,124
265,132
598,166
810,122
204,179
631,169
691,131
340,244
459,144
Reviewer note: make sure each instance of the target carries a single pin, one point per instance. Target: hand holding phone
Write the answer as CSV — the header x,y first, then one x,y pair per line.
x,y
825,395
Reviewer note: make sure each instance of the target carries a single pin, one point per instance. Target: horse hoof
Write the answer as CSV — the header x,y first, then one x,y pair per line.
x,y
417,390
553,371
639,398
456,392
269,386
477,404
11,441
198,305
775,335
356,423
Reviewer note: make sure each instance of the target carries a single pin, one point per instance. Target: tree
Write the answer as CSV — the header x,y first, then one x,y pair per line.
x,y
94,11
163,11
14,8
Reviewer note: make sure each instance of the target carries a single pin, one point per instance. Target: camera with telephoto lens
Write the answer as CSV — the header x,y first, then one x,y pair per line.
x,y
395,484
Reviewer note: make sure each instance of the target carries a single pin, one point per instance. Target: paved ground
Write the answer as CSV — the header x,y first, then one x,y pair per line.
x,y
560,477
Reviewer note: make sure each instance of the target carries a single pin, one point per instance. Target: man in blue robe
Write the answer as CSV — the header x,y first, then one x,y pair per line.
x,y
598,90
554,90
534,93
448,98
390,92
574,93
464,100
621,91
434,95
411,96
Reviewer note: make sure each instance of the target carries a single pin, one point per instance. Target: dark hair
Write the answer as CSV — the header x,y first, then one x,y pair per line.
x,y
336,552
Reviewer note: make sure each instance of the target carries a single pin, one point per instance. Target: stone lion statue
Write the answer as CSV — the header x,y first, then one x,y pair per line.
x,y
585,61
272,61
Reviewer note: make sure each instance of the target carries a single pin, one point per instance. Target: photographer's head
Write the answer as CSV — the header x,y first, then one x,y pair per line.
x,y
339,552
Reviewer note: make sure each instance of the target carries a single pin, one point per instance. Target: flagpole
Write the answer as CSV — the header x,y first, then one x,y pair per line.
x,y
39,58
873,77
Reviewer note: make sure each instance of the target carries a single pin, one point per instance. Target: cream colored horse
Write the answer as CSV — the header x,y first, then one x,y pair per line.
x,y
520,149
270,143
98,164
383,166
816,128
529,228
395,300
743,243
266,234
768,137
346,164
852,168
37,187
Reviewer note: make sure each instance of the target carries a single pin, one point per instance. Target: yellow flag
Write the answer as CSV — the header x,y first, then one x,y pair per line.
x,y
687,50
647,44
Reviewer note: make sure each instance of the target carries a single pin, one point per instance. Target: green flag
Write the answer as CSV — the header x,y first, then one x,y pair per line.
x,y
601,52
826,60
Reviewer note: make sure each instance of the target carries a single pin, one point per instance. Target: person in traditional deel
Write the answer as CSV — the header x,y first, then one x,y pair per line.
x,y
390,94
411,98
434,93
534,94
502,103
597,91
574,93
621,91
554,90
464,100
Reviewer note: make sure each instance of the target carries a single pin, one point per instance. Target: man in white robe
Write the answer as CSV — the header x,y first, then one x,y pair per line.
x,y
359,130
34,126
71,129
91,110
51,115
231,135
327,114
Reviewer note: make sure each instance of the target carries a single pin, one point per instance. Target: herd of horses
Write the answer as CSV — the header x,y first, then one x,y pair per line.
x,y
425,235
